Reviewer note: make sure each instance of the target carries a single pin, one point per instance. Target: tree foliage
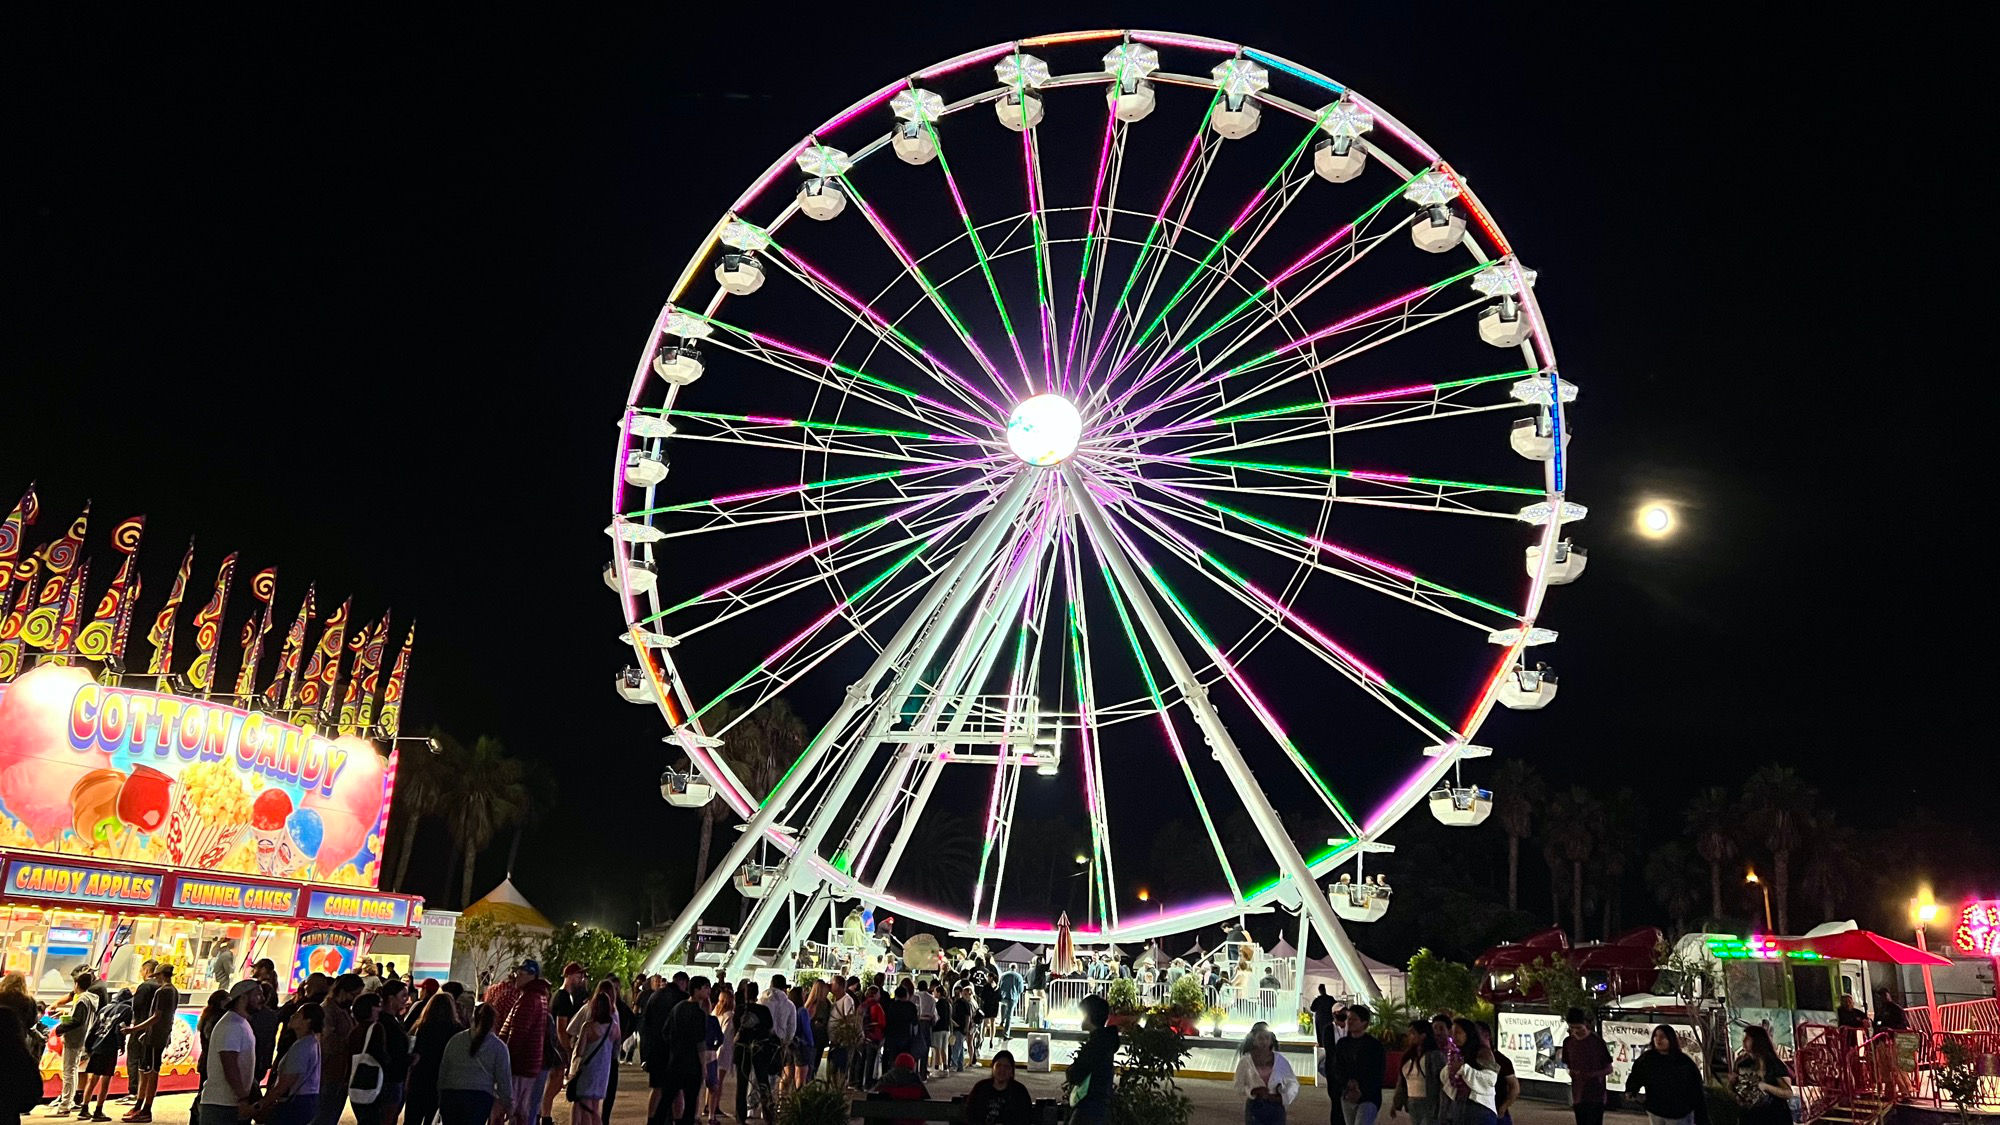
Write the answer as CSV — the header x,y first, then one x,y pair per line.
x,y
493,945
1440,985
601,952
1561,984
1151,1051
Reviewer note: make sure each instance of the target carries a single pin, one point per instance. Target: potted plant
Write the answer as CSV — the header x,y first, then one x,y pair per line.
x,y
1215,1014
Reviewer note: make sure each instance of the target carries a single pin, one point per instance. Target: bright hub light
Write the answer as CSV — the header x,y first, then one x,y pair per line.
x,y
1044,430
1656,521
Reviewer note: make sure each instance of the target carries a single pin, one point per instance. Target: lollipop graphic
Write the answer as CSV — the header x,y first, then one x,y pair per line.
x,y
143,802
275,855
307,832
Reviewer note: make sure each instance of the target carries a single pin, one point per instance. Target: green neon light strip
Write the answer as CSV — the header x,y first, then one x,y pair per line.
x,y
1094,783
1305,407
1173,737
978,248
1350,474
1044,283
1195,274
808,424
1271,884
1310,337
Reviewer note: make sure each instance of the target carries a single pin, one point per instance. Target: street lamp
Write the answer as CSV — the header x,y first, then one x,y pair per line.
x,y
1923,911
1750,876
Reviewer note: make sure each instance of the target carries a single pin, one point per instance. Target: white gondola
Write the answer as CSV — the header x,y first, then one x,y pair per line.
x,y
755,880
1437,229
739,274
1130,96
1133,104
1534,438
1461,806
645,468
685,789
1359,902
640,574
1502,324
1020,110
913,143
1567,564
1339,159
1527,689
679,364
820,199
634,686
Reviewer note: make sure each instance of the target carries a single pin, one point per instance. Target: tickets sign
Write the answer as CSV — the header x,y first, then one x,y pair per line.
x,y
27,878
150,777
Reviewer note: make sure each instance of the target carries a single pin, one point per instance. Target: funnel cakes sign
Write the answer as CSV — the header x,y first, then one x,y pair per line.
x,y
149,777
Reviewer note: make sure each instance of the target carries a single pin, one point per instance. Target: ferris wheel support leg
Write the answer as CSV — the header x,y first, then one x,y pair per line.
x,y
803,922
940,609
1290,863
998,521
932,771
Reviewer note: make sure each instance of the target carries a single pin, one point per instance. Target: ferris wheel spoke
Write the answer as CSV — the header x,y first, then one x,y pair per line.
x,y
815,426
1195,147
1335,243
1078,327
768,349
1228,670
1399,481
813,486
937,300
1166,249
1031,153
1167,723
1077,643
1292,624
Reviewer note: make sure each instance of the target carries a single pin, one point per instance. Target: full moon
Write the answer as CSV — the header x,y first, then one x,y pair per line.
x,y
1656,521
1044,430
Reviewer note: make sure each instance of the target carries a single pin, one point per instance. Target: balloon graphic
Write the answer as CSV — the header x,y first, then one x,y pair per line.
x,y
38,770
349,813
143,804
94,805
307,831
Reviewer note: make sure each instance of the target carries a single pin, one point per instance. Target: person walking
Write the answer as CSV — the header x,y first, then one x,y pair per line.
x,y
1091,1073
1472,1076
1355,1070
150,1038
475,1076
1264,1080
1009,991
1670,1081
1762,1080
1420,1075
20,1075
106,1037
753,1030
1588,1061
521,1019
293,1096
211,1012
572,997
74,1016
722,1030
229,1085
784,1027
1322,1015
816,1017
336,1047
900,1023
435,1025
593,1036
874,1025
687,1041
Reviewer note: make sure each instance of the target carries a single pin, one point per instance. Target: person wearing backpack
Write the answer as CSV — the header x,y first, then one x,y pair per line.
x,y
75,1015
101,1046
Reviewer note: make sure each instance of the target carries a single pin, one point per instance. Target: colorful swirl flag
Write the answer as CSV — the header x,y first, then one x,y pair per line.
x,y
72,610
208,628
162,633
124,631
263,587
24,514
371,687
285,684
392,696
324,667
358,701
10,625
102,637
59,559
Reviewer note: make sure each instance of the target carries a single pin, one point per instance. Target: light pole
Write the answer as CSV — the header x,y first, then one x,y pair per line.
x,y
1922,913
1089,874
1750,876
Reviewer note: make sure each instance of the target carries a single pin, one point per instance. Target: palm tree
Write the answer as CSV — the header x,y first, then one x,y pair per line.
x,y
1833,866
1576,821
421,779
1517,792
1617,845
1778,805
1673,873
655,886
1712,820
753,748
487,792
1552,854
948,845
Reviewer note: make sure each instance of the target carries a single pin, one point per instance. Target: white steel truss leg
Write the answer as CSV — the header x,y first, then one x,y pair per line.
x,y
977,548
1290,863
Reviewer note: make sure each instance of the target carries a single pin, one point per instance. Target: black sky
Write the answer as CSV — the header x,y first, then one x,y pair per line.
x,y
359,298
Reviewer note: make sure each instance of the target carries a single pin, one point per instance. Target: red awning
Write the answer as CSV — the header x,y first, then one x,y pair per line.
x,y
1863,945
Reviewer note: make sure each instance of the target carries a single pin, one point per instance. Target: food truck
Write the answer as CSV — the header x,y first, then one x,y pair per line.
x,y
139,824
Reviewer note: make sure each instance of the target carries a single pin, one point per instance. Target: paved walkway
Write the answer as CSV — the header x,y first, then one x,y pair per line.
x,y
1215,1103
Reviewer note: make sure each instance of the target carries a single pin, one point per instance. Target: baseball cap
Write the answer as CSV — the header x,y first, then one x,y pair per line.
x,y
572,967
530,965
244,988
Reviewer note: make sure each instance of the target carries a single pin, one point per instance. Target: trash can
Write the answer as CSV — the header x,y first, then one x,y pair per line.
x,y
1038,1052
1031,1009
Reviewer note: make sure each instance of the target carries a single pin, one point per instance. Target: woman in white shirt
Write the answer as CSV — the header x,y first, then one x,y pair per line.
x,y
1473,1080
1264,1080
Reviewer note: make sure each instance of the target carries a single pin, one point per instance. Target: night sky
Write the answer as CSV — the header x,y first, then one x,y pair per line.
x,y
361,300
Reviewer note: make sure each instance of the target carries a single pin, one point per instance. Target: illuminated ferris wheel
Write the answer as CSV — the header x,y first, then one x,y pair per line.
x,y
1062,417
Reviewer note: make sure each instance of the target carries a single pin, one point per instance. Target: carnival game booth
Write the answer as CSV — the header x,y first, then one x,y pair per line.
x,y
142,824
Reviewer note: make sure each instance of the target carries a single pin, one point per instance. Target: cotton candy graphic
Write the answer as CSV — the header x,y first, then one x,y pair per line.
x,y
38,770
349,813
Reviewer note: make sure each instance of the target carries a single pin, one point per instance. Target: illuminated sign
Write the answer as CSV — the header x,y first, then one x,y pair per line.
x,y
1979,928
30,879
346,906
226,897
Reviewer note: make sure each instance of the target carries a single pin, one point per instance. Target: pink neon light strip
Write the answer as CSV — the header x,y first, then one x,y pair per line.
x,y
811,357
863,106
970,58
1423,779
1096,194
825,543
1187,161
1198,42
1046,315
758,494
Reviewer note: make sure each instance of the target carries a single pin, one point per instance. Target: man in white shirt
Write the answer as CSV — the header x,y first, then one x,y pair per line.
x,y
231,1083
927,1015
784,1019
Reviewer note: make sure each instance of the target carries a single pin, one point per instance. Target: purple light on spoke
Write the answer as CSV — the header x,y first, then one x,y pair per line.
x,y
1426,776
1047,315
968,59
1249,207
823,544
864,105
1392,478
1090,231
1173,189
910,264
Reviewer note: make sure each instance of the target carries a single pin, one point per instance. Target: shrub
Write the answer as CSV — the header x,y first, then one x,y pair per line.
x,y
1151,1051
1439,985
1123,995
814,1103
1187,995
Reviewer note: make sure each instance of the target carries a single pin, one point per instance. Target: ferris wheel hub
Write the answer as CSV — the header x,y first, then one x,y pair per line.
x,y
1044,430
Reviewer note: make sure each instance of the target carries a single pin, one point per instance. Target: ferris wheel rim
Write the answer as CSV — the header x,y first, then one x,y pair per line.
x,y
669,684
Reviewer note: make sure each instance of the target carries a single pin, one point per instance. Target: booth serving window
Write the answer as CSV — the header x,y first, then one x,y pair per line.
x,y
47,945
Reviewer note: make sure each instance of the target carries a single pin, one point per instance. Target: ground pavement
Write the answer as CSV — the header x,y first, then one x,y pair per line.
x,y
1215,1102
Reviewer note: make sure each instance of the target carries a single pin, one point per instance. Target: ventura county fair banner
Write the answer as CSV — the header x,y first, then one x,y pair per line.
x,y
1532,1041
146,777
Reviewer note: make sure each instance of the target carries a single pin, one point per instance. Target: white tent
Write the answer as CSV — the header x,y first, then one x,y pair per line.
x,y
1015,954
1283,951
1389,980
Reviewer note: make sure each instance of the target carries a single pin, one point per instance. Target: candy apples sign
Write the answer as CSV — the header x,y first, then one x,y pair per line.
x,y
146,776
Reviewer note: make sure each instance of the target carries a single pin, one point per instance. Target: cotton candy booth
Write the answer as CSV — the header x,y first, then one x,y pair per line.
x,y
139,824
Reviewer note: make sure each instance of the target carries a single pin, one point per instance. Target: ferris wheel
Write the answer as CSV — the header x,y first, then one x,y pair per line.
x,y
1085,427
